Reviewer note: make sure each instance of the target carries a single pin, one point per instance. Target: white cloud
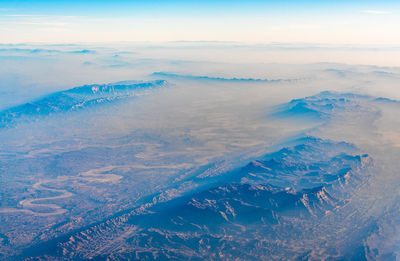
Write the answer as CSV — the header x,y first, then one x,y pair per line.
x,y
21,15
375,12
39,20
41,16
42,23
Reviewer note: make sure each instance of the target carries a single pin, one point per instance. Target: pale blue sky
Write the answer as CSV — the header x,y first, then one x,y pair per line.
x,y
333,22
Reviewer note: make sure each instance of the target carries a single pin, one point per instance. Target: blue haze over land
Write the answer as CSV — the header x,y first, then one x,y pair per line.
x,y
199,130
156,158
197,150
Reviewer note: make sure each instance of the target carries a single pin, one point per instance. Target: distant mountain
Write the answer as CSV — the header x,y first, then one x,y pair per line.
x,y
76,98
321,106
220,79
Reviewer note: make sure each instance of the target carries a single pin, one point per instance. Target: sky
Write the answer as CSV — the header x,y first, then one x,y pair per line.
x,y
254,21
